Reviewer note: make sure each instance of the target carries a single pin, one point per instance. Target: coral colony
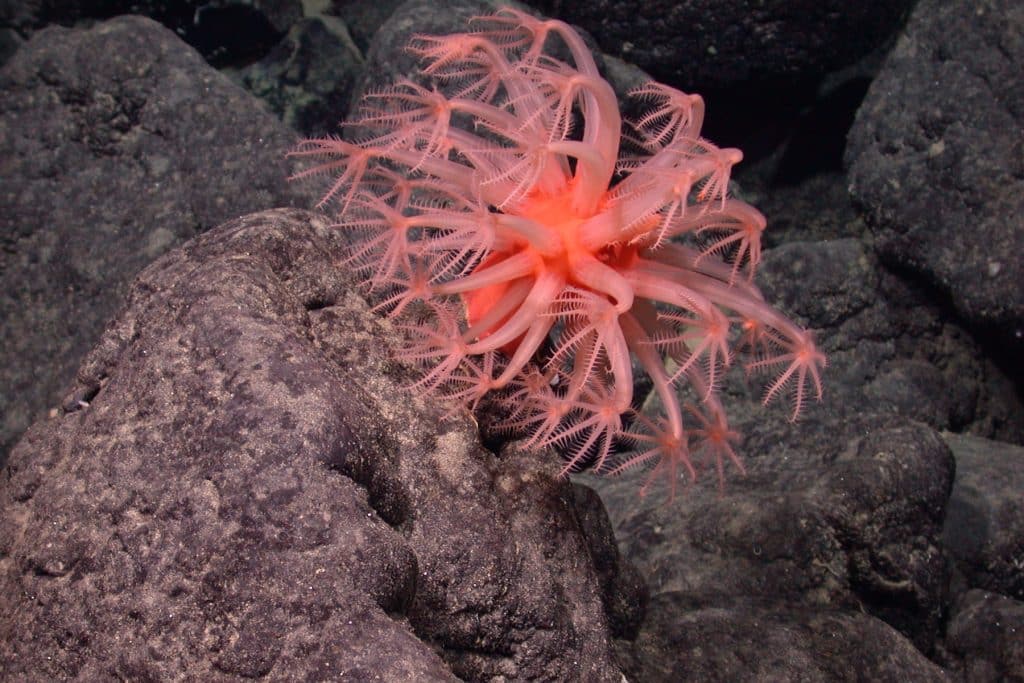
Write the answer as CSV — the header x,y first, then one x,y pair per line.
x,y
496,218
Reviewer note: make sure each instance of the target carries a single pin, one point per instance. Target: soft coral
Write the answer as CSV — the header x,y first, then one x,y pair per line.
x,y
489,196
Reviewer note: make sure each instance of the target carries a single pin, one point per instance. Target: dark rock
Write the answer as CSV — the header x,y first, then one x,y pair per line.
x,y
854,525
842,510
937,160
984,529
223,31
307,78
624,591
758,65
720,45
9,44
116,144
761,640
250,491
890,350
363,18
984,633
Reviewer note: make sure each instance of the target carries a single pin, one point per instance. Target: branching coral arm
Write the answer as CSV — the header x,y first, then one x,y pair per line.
x,y
544,291
516,266
641,345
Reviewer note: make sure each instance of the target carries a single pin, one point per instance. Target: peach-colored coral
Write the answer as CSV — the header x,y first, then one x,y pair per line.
x,y
494,215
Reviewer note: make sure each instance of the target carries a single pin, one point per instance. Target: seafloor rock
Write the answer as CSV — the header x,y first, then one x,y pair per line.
x,y
239,486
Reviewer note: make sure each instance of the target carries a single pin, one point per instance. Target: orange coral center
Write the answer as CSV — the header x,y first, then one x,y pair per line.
x,y
556,213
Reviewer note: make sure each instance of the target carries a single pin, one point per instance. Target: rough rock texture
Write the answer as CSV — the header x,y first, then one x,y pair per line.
x,y
838,514
937,158
307,78
853,525
364,18
842,512
764,640
241,488
985,633
722,44
224,32
984,527
116,144
891,351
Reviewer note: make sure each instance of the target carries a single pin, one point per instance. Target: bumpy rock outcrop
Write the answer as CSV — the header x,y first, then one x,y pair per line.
x,y
239,487
117,143
937,159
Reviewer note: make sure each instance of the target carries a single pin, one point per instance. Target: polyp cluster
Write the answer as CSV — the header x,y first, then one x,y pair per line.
x,y
495,215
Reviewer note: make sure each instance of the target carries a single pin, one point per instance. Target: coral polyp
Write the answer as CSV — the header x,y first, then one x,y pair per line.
x,y
494,213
